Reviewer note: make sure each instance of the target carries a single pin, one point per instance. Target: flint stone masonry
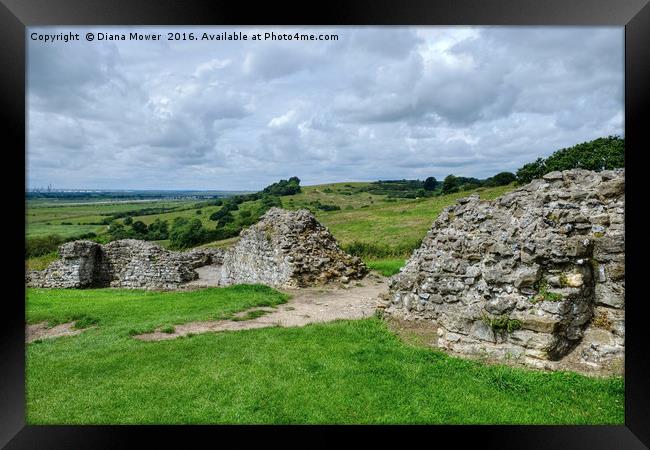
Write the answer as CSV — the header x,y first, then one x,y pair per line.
x,y
125,263
289,249
285,249
546,260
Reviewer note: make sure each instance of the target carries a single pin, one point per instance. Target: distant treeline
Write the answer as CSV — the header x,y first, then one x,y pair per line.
x,y
141,212
600,154
431,186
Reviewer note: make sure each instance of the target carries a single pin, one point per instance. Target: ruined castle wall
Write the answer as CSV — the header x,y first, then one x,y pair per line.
x,y
284,249
127,263
76,267
534,276
289,249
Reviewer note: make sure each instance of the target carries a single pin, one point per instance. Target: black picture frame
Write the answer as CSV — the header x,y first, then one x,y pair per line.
x,y
634,15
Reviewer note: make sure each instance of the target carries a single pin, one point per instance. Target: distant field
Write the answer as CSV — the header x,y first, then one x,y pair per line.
x,y
48,217
391,226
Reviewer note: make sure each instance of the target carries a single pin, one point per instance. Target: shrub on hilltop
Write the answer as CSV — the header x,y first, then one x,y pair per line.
x,y
600,154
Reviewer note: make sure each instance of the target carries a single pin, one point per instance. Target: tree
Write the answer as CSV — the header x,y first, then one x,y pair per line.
x,y
158,230
128,220
220,214
501,179
430,183
528,172
187,233
450,184
228,218
140,228
284,187
116,230
604,153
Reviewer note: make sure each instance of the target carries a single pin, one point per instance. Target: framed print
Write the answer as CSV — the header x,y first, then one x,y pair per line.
x,y
359,214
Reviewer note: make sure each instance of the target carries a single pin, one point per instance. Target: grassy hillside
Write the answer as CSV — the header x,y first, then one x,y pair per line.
x,y
339,372
380,229
375,219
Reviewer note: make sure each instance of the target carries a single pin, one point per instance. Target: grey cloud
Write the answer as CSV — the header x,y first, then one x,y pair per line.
x,y
382,102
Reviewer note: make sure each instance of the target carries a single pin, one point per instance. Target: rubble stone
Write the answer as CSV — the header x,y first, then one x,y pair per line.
x,y
535,273
289,249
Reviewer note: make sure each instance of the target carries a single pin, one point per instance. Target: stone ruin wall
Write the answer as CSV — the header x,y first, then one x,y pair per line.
x,y
127,263
289,249
284,249
536,277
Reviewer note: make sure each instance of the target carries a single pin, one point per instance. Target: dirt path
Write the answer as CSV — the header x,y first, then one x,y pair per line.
x,y
41,331
308,305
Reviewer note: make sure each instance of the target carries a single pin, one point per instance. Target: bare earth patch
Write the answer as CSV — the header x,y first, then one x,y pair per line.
x,y
307,305
41,331
420,333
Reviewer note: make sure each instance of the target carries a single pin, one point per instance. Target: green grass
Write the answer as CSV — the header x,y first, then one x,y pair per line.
x,y
68,220
41,262
378,226
339,372
123,309
400,224
65,231
386,267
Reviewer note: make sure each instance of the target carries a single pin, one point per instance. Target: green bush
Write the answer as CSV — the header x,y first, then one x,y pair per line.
x,y
228,231
139,228
158,230
40,246
501,179
187,233
430,183
502,324
284,187
600,154
324,207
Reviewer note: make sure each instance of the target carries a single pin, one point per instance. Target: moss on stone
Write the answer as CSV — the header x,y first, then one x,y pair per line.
x,y
500,324
544,294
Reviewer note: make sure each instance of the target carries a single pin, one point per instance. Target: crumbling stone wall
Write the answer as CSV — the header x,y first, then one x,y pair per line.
x,y
76,268
285,249
289,249
536,276
128,263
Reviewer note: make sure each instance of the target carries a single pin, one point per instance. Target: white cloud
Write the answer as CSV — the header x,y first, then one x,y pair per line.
x,y
381,102
283,120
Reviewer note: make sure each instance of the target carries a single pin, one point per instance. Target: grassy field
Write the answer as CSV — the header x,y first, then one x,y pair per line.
x,y
391,228
68,220
402,222
340,372
387,266
363,217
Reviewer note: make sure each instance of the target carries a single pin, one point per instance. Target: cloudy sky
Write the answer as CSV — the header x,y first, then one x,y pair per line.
x,y
378,103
